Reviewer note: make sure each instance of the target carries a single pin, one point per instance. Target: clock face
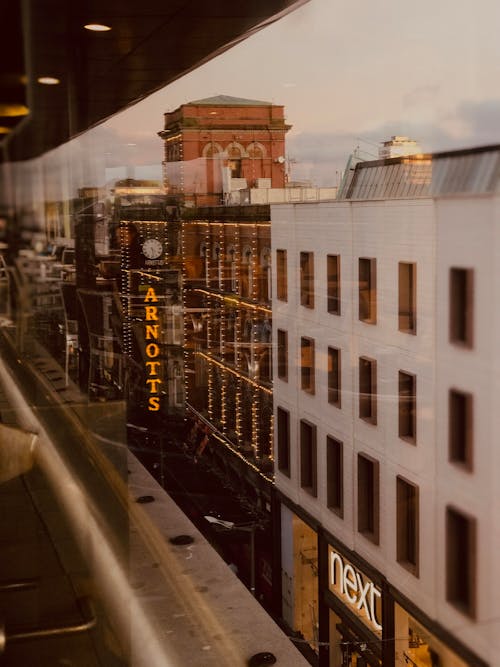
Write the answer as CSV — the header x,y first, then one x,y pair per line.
x,y
152,248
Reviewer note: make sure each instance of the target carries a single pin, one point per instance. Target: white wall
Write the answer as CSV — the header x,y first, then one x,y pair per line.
x,y
435,234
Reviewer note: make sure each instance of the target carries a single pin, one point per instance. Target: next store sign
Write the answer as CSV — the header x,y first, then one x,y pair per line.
x,y
355,590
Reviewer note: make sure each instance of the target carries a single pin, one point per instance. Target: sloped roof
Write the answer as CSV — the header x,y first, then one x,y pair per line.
x,y
228,100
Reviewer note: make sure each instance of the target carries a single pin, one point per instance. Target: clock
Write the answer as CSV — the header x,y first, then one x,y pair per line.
x,y
152,248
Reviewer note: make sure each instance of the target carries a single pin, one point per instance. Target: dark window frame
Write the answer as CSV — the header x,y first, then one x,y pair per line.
x,y
306,264
281,274
407,525
367,290
407,297
368,477
334,376
308,372
282,354
407,406
461,561
333,284
308,458
461,315
283,440
461,428
368,394
335,475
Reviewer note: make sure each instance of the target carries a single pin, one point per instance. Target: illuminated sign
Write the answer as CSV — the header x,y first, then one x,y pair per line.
x,y
362,596
152,334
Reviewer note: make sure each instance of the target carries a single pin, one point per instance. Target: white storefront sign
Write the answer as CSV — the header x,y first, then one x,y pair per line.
x,y
359,592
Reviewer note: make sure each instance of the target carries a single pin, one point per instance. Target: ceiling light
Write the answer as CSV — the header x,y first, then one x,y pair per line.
x,y
4,130
48,80
13,110
97,27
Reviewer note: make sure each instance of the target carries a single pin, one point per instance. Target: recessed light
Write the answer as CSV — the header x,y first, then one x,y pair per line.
x,y
97,27
13,110
48,80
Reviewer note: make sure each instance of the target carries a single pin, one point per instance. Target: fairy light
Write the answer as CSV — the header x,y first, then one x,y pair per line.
x,y
209,358
271,436
241,376
255,425
235,301
184,309
223,296
253,263
220,437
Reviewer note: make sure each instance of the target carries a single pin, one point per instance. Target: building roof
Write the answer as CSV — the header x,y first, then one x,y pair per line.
x,y
229,101
469,171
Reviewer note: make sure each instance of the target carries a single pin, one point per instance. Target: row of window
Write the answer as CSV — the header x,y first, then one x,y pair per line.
x,y
460,404
460,529
461,292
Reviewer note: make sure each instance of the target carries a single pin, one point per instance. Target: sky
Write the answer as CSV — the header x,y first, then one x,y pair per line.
x,y
349,73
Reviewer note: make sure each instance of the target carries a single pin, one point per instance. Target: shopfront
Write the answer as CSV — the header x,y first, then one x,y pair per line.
x,y
299,579
354,610
420,643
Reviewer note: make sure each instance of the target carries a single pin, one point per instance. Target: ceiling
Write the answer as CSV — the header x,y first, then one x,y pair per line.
x,y
151,43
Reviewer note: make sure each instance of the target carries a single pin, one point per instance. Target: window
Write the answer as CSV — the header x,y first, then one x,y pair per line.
x,y
407,517
368,390
307,365
282,354
460,428
307,279
283,424
333,282
368,290
407,313
461,561
461,306
281,275
335,475
407,406
368,498
308,467
334,377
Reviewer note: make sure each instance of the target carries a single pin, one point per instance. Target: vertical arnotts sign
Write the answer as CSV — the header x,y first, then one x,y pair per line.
x,y
153,362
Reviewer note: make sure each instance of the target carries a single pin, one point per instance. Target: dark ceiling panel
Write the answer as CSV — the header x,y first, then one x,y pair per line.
x,y
152,43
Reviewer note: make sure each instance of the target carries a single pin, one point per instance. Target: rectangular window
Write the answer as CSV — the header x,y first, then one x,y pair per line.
x,y
333,282
407,518
460,428
307,279
408,407
308,465
283,438
461,306
307,365
461,561
335,475
281,275
334,377
368,290
283,354
407,308
368,390
368,498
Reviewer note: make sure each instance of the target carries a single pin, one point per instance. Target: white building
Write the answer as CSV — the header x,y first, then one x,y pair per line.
x,y
386,321
398,146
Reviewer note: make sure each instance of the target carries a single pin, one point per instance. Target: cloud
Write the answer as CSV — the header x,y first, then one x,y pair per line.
x,y
125,149
320,156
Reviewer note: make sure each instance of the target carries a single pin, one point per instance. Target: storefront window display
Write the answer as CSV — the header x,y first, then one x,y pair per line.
x,y
416,646
299,548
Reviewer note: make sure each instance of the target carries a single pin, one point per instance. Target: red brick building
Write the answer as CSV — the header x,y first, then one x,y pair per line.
x,y
221,144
